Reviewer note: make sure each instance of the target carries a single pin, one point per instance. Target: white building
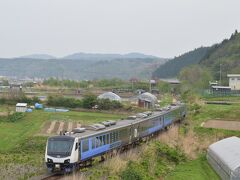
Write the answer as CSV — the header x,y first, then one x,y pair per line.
x,y
234,81
21,107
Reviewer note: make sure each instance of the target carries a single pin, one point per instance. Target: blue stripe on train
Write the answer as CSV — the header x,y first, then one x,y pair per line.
x,y
99,150
167,121
95,151
154,129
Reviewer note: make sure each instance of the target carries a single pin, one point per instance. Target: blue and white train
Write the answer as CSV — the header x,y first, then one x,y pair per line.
x,y
67,152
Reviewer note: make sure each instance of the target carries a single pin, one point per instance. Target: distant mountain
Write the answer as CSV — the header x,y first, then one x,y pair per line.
x,y
37,56
91,66
98,56
172,67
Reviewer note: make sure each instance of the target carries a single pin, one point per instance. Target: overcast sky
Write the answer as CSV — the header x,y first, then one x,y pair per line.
x,y
165,28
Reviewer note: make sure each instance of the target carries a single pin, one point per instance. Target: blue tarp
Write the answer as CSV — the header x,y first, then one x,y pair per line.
x,y
38,106
49,109
62,110
29,110
55,110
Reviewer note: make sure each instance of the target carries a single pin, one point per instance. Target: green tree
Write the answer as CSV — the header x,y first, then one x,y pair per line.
x,y
195,78
89,101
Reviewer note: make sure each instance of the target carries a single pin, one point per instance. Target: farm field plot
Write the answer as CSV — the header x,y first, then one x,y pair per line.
x,y
55,127
221,124
216,112
13,133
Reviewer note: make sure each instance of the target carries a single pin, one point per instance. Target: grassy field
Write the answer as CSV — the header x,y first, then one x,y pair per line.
x,y
213,111
223,98
157,161
14,133
22,151
197,169
21,148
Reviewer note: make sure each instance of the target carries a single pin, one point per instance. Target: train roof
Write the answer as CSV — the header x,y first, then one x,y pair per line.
x,y
124,122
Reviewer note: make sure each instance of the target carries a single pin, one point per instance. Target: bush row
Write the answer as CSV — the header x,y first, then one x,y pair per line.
x,y
87,102
22,99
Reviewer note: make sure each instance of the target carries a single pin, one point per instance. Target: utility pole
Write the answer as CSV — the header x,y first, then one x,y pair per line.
x,y
150,86
220,74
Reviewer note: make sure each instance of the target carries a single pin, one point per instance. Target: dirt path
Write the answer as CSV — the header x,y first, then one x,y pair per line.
x,y
3,113
70,126
55,127
219,124
52,125
60,128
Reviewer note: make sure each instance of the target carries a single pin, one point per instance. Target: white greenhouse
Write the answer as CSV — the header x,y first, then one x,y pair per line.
x,y
109,95
224,157
147,100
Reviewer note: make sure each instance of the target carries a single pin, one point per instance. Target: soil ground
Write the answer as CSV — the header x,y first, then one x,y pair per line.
x,y
222,124
55,127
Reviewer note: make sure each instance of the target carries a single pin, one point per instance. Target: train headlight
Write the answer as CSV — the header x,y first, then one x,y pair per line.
x,y
49,160
57,166
67,161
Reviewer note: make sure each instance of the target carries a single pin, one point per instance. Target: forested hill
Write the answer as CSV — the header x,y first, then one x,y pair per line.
x,y
226,53
172,67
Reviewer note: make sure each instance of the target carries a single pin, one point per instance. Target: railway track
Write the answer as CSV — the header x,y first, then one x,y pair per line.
x,y
54,176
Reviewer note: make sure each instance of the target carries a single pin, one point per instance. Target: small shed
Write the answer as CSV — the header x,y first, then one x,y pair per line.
x,y
224,157
220,89
147,100
21,107
110,95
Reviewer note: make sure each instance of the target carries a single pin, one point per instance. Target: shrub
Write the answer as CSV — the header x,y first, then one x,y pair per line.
x,y
21,99
64,102
106,104
172,154
134,171
15,116
2,101
89,101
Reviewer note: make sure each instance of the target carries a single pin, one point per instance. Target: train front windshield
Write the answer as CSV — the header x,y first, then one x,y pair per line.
x,y
60,147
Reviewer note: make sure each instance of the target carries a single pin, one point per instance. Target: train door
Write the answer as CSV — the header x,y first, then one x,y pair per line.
x,y
136,131
161,121
76,150
130,134
79,151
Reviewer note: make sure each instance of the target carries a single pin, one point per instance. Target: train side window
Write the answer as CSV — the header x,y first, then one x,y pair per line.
x,y
107,139
104,140
100,141
111,137
93,142
85,144
114,136
117,136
